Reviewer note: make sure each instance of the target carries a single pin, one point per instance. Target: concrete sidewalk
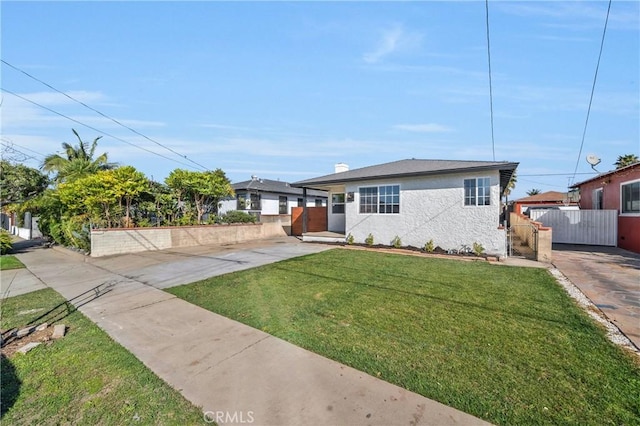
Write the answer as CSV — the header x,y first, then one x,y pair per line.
x,y
234,372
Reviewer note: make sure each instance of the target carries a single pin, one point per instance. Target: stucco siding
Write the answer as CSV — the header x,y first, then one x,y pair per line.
x,y
431,208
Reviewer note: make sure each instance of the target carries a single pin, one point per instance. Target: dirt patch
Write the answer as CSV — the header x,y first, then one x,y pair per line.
x,y
11,345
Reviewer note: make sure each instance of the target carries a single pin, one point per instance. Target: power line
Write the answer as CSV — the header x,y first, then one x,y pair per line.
x,y
593,88
493,143
103,115
556,174
93,128
10,142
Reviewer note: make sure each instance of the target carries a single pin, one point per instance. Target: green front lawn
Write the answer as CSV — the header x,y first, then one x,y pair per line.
x,y
505,344
8,261
83,378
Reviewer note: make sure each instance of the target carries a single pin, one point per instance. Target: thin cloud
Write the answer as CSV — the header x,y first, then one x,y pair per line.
x,y
393,40
423,128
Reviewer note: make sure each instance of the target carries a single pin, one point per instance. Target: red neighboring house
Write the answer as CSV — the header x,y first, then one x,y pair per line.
x,y
549,199
616,190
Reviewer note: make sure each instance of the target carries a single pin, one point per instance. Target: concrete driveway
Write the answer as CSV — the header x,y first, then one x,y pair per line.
x,y
169,268
609,277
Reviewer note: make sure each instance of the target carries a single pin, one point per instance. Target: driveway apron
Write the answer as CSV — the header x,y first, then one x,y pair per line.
x,y
234,372
609,277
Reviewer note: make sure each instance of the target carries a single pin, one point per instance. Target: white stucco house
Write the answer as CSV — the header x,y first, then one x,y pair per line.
x,y
269,197
451,202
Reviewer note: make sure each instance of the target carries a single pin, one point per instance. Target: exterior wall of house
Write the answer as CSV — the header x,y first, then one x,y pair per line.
x,y
270,203
432,207
628,223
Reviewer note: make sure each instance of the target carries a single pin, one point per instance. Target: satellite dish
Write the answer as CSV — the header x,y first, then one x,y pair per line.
x,y
593,160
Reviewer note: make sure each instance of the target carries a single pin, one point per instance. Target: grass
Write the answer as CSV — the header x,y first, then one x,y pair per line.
x,y
8,261
502,343
83,378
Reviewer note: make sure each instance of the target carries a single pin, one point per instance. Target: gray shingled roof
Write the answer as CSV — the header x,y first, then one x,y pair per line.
x,y
408,168
274,186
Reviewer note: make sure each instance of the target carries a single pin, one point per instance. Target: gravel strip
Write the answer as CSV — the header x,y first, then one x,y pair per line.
x,y
613,333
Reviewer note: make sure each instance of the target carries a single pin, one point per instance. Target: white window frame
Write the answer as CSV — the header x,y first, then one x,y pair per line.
x,y
377,199
594,200
622,213
476,196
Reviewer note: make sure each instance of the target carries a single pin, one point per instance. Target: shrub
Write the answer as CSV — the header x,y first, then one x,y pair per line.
x,y
5,242
369,240
396,242
237,216
429,247
478,249
350,239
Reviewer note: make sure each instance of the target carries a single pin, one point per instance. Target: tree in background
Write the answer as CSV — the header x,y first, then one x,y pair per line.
x,y
204,189
19,183
533,191
626,160
77,162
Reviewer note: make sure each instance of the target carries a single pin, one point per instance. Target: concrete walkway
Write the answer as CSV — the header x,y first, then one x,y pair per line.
x,y
234,372
609,277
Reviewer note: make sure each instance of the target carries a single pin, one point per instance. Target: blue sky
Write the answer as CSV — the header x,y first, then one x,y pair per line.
x,y
285,90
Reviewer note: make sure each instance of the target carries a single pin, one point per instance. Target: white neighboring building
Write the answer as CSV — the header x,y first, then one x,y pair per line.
x,y
453,203
269,197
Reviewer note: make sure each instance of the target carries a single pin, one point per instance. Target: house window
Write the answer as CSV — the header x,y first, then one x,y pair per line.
x,y
597,199
300,202
380,199
318,202
282,205
337,203
630,194
248,201
477,192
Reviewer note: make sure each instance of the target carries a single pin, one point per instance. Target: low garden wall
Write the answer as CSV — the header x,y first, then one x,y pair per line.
x,y
105,242
521,225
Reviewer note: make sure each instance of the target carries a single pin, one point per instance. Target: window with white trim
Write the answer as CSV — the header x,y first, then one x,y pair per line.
x,y
630,197
597,199
384,199
477,192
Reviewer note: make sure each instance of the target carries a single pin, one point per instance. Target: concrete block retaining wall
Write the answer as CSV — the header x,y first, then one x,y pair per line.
x,y
105,242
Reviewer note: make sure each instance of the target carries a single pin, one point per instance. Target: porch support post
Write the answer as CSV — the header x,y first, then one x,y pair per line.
x,y
304,210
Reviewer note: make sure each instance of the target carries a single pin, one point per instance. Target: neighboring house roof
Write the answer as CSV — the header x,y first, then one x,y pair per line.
x,y
412,167
273,186
609,173
545,197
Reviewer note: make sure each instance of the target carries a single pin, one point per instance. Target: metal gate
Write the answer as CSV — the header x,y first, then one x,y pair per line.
x,y
592,227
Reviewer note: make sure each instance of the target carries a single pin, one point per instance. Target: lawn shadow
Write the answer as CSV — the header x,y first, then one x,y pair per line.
x,y
10,385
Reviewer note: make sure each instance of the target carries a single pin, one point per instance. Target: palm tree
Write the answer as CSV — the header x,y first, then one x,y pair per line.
x,y
534,191
626,160
77,162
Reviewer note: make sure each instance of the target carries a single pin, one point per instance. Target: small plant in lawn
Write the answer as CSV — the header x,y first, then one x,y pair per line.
x,y
350,239
5,242
396,242
478,249
429,247
369,240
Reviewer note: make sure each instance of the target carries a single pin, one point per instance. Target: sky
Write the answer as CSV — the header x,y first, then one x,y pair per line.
x,y
285,90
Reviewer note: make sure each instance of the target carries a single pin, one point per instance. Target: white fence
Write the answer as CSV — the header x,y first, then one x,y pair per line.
x,y
592,227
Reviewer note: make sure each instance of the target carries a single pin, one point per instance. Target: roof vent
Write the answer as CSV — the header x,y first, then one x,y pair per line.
x,y
254,178
341,167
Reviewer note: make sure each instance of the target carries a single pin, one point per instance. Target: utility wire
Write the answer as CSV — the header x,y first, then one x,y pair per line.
x,y
593,88
11,143
103,115
493,143
93,128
